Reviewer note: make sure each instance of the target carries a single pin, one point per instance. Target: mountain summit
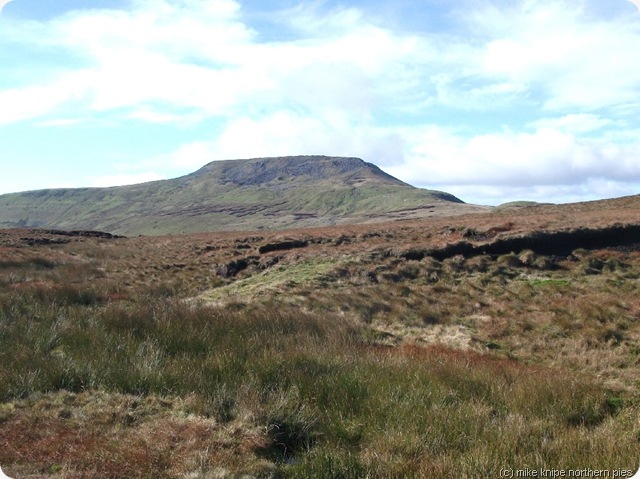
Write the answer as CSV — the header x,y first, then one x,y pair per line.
x,y
281,192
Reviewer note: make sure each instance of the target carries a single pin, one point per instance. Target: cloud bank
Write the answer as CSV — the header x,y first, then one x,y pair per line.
x,y
512,100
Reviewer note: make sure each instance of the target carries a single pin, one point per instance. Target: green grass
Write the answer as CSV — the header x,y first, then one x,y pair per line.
x,y
277,279
514,204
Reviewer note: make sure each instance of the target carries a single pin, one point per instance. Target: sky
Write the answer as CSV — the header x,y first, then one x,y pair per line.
x,y
490,100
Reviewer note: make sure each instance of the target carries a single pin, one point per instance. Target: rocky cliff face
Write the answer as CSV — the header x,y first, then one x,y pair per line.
x,y
265,171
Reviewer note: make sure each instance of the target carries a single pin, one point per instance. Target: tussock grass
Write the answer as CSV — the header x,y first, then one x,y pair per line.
x,y
535,308
324,400
108,376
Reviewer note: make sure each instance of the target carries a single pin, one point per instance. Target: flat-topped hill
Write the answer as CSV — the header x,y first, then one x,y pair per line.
x,y
262,193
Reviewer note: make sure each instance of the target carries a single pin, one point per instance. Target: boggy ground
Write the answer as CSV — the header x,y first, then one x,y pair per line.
x,y
363,351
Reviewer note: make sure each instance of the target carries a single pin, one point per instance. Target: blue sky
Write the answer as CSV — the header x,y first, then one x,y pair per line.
x,y
491,100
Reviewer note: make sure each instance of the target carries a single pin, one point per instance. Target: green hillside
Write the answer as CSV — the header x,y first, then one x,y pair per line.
x,y
251,194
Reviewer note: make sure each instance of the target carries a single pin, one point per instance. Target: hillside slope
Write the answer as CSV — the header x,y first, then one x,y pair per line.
x,y
251,194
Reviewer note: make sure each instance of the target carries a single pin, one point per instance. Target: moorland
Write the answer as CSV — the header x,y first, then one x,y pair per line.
x,y
446,347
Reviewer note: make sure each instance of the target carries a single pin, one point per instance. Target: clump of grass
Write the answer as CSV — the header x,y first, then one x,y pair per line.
x,y
433,270
528,258
510,260
478,264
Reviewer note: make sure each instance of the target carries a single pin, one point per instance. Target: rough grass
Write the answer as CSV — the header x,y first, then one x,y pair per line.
x,y
109,368
548,312
312,396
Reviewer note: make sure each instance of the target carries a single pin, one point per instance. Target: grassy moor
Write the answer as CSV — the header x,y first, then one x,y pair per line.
x,y
417,349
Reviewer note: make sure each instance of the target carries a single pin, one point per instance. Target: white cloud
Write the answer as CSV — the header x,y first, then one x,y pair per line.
x,y
547,158
286,133
18,104
190,156
495,195
156,114
576,60
312,19
198,58
184,54
199,55
574,123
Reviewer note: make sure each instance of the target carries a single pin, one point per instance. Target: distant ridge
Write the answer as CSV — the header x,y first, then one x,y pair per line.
x,y
278,192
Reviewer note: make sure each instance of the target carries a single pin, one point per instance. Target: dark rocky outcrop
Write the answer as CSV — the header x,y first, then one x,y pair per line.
x,y
282,246
558,243
54,236
84,233
232,268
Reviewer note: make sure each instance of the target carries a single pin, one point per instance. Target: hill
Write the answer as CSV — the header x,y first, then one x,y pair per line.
x,y
263,193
